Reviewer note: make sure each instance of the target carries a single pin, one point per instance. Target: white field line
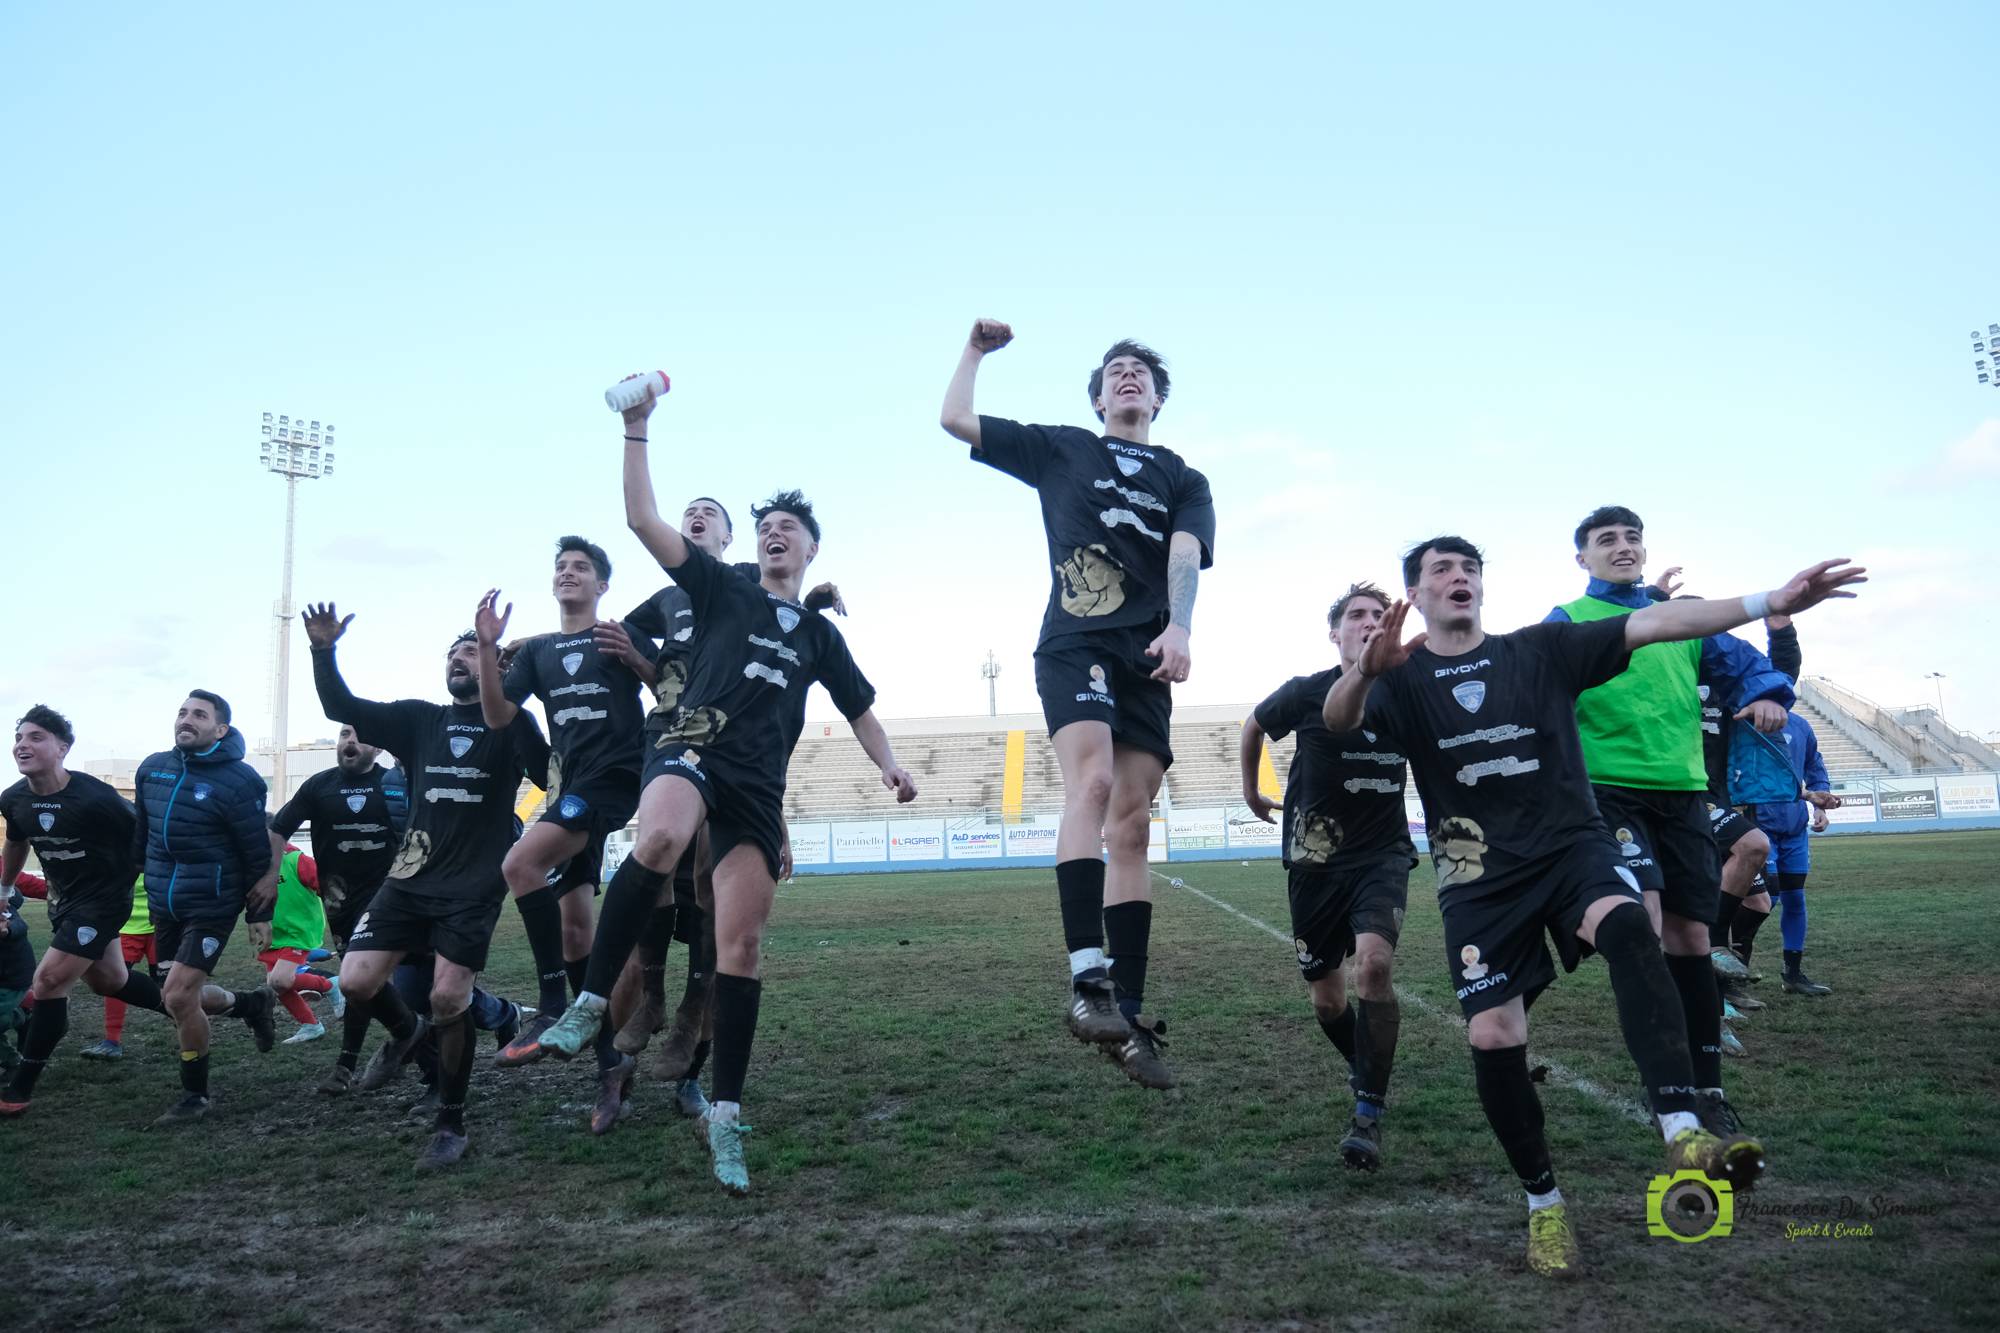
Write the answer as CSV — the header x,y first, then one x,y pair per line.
x,y
1559,1074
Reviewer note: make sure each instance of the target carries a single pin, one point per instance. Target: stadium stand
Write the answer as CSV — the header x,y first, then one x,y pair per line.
x,y
1896,740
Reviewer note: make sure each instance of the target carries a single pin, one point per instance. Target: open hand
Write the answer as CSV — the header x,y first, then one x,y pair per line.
x,y
1260,805
1810,587
990,335
323,624
1385,650
1172,650
488,622
1667,583
613,641
825,597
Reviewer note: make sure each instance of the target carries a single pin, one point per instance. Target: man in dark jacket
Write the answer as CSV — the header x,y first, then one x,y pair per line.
x,y
200,838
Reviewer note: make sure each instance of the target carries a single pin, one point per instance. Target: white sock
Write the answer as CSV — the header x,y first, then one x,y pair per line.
x,y
1549,1200
1710,1092
597,1004
1084,959
724,1113
1673,1124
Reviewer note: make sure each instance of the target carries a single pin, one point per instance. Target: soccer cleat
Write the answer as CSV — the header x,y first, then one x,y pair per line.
x,y
1728,965
12,1105
1552,1250
443,1148
573,1033
1738,994
676,1053
191,1107
724,1141
1717,1116
386,1065
510,1026
648,1018
306,1032
103,1050
688,1099
526,1047
427,1105
1731,1044
1730,1013
1362,1148
1738,1158
1139,1057
1093,1013
1798,983
339,999
614,1088
262,1019
336,1082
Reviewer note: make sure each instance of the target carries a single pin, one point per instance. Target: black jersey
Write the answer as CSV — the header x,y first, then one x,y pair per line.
x,y
82,835
463,779
353,838
1492,740
668,617
592,701
1109,508
756,656
1344,795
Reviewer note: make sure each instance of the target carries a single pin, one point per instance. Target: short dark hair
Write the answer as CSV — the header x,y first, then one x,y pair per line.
x,y
788,502
1413,557
727,521
1131,347
1607,516
221,704
469,636
600,561
49,720
1355,590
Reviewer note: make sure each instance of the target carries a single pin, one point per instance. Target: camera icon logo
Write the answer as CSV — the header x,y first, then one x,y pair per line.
x,y
1687,1206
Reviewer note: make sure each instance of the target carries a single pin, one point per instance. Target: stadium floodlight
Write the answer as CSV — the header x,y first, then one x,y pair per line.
x,y
991,671
294,451
1936,678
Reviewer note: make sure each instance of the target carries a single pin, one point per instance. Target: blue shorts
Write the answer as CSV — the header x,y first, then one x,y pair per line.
x,y
1791,853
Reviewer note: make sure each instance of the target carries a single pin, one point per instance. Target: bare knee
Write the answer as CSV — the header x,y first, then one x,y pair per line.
x,y
653,848
1372,973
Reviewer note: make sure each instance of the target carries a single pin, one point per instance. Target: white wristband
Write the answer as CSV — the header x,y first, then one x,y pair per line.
x,y
1757,605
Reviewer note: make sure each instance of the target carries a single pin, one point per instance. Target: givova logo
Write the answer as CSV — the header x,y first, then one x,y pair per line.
x,y
1687,1206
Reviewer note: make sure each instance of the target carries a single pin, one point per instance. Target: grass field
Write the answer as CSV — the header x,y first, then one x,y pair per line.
x,y
933,1151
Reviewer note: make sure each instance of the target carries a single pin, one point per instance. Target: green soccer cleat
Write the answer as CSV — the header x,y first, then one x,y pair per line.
x,y
574,1033
1737,1158
724,1141
1552,1249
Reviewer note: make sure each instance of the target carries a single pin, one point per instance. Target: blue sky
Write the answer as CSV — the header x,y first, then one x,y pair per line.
x,y
1449,268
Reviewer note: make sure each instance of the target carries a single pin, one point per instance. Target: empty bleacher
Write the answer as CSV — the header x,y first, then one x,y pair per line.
x,y
1836,751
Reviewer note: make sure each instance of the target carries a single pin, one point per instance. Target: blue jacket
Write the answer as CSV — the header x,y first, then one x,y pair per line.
x,y
1791,818
201,834
1730,668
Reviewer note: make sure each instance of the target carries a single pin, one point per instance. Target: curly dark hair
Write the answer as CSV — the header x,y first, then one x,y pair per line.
x,y
1154,362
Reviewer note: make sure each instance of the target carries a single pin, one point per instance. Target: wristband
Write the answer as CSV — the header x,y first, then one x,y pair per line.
x,y
1757,605
636,439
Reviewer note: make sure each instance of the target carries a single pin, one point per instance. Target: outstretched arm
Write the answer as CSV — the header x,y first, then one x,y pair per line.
x,y
489,623
642,511
875,741
1347,702
1668,622
958,418
1252,755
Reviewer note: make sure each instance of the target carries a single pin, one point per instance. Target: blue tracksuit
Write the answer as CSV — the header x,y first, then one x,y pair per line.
x,y
1786,823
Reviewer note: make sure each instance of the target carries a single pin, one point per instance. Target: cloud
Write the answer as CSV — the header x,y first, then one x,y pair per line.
x,y
1971,460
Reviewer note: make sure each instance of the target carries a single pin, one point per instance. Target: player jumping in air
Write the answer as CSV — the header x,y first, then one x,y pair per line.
x,y
1130,527
1489,724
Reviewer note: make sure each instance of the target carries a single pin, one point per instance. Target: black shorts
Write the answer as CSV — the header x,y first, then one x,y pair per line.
x,y
198,941
1727,825
1105,676
1333,904
82,928
684,881
460,930
1494,950
596,806
741,808
1668,845
344,907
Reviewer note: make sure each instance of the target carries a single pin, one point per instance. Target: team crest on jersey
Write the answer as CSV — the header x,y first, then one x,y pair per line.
x,y
1627,847
572,806
571,661
1470,695
459,745
1471,967
788,618
48,821
201,791
85,934
1129,466
209,945
355,803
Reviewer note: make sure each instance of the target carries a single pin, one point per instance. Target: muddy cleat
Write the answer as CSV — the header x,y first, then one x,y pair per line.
x,y
306,1032
1798,983
427,1105
1738,994
574,1033
103,1050
1738,1158
386,1065
1362,1148
444,1148
1728,965
724,1141
614,1088
1093,1012
510,1026
676,1053
337,1081
526,1046
1140,1058
191,1107
1552,1251
262,1020
1730,1013
1731,1044
1717,1116
648,1018
688,1099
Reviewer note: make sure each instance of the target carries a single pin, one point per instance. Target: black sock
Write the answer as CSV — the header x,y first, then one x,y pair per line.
x,y
46,1026
1127,927
1718,934
1377,1024
576,967
1701,1010
1649,1008
1507,1095
698,928
354,1031
1794,960
541,918
659,931
454,1038
701,1049
245,1003
1743,934
140,991
608,1054
628,900
388,1009
1080,889
194,1073
736,1000
1340,1031
428,1057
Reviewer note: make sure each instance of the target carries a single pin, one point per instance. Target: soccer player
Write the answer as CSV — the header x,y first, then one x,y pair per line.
x,y
1641,734
1348,858
355,812
17,975
1735,933
136,945
1489,724
216,865
1130,527
446,887
588,676
1794,752
721,758
298,925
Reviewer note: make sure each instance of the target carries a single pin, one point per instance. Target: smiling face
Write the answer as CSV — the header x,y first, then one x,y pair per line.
x,y
576,583
38,751
1359,620
196,726
784,547
1449,591
1615,553
355,758
704,524
1127,391
461,669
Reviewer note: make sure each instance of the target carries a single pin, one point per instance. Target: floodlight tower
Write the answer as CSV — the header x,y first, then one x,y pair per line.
x,y
292,449
1936,678
991,671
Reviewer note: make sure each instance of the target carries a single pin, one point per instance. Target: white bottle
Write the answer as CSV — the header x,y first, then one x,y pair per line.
x,y
628,394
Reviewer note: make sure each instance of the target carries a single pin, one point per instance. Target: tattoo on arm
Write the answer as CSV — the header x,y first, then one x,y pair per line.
x,y
1183,574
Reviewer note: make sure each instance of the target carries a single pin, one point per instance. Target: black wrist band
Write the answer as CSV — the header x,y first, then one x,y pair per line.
x,y
637,438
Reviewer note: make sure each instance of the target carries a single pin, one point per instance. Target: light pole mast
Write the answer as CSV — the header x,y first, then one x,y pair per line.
x,y
991,671
291,449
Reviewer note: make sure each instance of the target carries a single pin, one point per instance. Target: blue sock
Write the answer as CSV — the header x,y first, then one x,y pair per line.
x,y
1793,924
1368,1110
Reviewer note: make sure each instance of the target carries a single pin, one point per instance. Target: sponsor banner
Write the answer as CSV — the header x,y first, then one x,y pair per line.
x,y
1857,804
1246,830
1972,794
1156,840
916,840
1030,839
975,844
615,852
1197,830
812,844
1907,798
860,842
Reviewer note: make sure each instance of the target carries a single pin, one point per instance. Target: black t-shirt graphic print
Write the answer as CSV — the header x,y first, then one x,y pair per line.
x,y
1344,794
